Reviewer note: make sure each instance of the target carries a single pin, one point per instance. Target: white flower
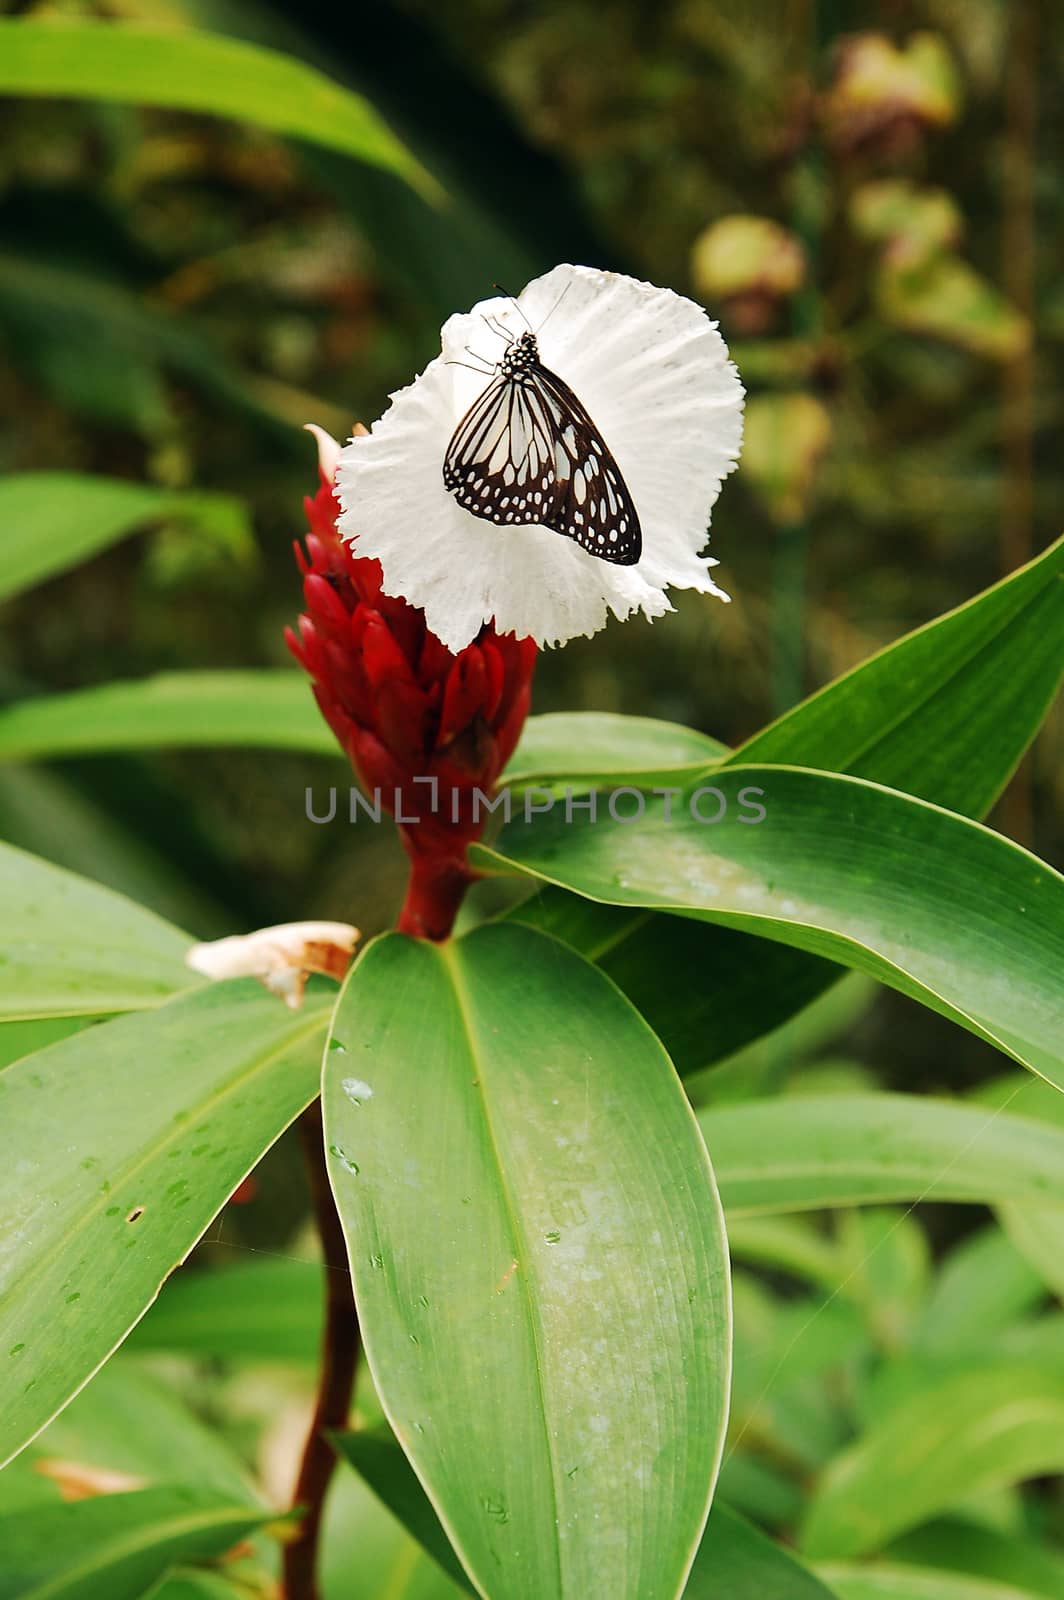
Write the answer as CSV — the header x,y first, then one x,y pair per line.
x,y
651,370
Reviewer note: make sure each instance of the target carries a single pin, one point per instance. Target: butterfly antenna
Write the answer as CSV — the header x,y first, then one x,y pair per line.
x,y
510,297
555,306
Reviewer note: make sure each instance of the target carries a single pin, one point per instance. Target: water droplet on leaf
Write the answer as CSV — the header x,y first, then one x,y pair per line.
x,y
344,1159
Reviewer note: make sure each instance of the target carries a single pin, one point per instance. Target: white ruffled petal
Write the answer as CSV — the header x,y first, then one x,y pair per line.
x,y
653,372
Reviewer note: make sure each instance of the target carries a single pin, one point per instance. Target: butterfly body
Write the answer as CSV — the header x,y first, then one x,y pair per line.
x,y
527,453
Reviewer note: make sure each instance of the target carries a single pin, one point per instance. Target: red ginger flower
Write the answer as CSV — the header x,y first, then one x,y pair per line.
x,y
407,710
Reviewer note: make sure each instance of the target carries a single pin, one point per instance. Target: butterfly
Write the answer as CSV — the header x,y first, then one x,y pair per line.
x,y
526,451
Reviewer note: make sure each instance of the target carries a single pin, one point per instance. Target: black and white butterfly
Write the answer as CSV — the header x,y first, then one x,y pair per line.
x,y
526,452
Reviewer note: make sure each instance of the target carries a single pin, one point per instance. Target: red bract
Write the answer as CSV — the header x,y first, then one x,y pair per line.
x,y
427,732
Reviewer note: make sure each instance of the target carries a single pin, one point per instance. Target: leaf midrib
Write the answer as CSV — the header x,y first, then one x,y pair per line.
x,y
447,954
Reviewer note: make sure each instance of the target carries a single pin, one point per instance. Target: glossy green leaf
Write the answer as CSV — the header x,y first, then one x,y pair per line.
x,y
962,1434
599,746
945,713
538,1258
71,948
118,1147
271,710
254,1311
884,1582
931,904
799,1153
49,521
115,1546
185,70
736,1560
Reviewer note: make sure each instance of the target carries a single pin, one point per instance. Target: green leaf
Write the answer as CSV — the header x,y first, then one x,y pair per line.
x,y
268,710
50,521
706,991
264,1311
185,70
378,1460
886,1268
912,1583
802,1153
927,902
23,1038
191,1583
963,1546
368,1555
600,746
944,713
763,1492
275,710
736,1560
116,1545
784,1244
71,948
785,1351
75,329
799,1057
118,1147
959,1435
538,1257
1038,1233
983,1286
125,1421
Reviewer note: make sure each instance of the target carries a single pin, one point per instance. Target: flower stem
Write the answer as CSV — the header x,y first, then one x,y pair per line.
x,y
336,1380
435,891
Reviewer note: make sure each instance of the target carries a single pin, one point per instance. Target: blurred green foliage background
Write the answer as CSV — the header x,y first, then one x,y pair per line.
x,y
867,198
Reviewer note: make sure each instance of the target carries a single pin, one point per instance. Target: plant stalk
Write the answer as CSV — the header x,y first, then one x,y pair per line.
x,y
336,1378
435,891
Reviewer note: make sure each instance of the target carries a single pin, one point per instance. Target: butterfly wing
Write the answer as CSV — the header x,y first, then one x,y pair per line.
x,y
526,452
496,462
592,502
